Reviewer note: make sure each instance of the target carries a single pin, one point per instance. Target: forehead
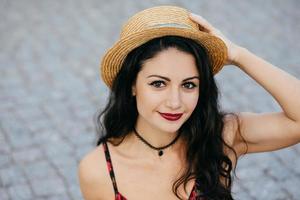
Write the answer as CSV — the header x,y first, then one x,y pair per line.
x,y
172,63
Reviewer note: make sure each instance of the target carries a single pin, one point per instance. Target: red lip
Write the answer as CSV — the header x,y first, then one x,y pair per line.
x,y
170,116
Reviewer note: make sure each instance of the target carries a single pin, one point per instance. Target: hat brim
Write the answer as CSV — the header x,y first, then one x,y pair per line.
x,y
113,59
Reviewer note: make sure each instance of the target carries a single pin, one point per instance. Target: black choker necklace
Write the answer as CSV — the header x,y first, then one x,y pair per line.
x,y
159,149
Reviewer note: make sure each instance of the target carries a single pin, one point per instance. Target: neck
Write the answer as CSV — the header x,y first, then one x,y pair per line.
x,y
137,149
154,136
162,147
158,144
142,143
138,153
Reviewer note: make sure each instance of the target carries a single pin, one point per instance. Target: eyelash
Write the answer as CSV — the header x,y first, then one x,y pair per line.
x,y
155,82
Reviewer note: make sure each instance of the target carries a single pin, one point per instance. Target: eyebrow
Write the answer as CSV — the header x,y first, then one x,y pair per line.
x,y
167,79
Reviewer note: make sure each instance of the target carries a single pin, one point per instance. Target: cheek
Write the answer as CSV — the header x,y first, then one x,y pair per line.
x,y
192,101
147,100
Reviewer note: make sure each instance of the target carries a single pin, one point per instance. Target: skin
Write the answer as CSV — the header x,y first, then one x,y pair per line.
x,y
164,96
139,162
267,131
263,132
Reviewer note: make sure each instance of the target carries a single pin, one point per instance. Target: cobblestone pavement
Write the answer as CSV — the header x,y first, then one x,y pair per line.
x,y
50,88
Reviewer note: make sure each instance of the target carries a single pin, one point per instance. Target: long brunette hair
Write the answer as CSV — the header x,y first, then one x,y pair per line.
x,y
207,161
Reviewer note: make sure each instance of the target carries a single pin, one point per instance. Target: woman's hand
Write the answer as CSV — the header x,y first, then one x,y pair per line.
x,y
232,48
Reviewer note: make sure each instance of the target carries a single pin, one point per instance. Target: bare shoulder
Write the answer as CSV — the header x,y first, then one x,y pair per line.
x,y
93,175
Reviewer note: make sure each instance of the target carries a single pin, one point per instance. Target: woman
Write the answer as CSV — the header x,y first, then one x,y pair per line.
x,y
162,133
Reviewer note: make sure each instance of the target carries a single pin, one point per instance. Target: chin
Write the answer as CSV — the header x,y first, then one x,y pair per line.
x,y
171,128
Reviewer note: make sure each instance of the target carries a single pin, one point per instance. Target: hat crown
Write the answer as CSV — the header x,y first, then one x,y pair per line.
x,y
159,16
158,22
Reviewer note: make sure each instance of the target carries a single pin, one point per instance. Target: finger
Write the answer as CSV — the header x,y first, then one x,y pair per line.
x,y
202,22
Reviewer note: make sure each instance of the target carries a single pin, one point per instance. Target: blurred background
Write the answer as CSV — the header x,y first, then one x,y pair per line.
x,y
50,88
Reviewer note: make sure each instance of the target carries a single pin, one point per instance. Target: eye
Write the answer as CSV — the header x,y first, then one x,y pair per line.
x,y
156,83
190,85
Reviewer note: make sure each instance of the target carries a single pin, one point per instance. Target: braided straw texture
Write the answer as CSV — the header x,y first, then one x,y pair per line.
x,y
157,22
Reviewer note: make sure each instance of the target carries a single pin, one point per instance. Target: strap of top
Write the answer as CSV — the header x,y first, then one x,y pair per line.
x,y
113,179
110,167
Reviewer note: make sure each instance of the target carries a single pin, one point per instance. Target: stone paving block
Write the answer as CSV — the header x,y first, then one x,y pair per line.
x,y
43,136
58,197
20,192
21,140
12,175
291,187
68,172
277,171
30,154
46,187
39,170
242,195
57,147
8,82
61,161
249,173
8,122
84,112
5,160
4,146
291,155
32,112
248,160
40,124
31,100
81,151
86,133
296,148
17,134
265,188
86,138
75,192
6,105
18,92
3,194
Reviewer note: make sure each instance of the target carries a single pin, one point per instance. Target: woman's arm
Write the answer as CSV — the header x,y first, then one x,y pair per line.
x,y
268,131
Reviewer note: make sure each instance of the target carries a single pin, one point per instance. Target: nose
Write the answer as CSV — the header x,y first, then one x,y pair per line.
x,y
174,98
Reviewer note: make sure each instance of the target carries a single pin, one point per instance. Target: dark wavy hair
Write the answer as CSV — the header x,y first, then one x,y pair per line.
x,y
202,132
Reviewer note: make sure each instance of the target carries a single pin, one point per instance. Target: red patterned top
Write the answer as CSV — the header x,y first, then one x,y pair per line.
x,y
118,195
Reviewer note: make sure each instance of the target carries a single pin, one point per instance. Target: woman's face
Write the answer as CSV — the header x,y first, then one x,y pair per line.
x,y
167,83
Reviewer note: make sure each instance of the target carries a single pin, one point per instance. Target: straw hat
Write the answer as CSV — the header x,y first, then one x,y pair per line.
x,y
157,22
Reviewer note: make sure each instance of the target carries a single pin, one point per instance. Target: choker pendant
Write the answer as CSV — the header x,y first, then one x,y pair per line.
x,y
160,152
159,149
